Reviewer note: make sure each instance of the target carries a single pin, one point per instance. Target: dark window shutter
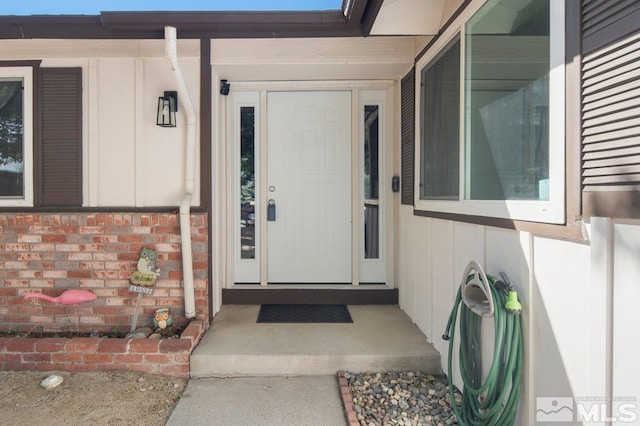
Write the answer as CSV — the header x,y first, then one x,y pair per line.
x,y
61,136
610,109
407,89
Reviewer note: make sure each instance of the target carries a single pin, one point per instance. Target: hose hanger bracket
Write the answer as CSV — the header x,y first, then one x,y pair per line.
x,y
475,290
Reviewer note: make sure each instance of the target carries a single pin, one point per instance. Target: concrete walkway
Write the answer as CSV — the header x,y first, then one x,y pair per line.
x,y
246,373
381,337
261,401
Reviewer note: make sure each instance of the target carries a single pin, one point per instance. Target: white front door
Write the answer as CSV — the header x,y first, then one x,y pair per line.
x,y
309,182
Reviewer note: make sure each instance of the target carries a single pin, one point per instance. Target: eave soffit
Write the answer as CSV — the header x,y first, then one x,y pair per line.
x,y
354,19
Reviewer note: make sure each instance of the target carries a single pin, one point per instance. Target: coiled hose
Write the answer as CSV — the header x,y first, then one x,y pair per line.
x,y
495,401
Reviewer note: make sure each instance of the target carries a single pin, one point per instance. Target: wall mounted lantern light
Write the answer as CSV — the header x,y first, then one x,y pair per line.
x,y
167,108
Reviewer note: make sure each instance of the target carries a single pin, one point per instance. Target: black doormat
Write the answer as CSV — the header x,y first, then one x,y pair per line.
x,y
304,314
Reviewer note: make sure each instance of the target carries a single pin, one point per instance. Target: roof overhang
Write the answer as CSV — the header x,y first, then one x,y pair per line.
x,y
355,19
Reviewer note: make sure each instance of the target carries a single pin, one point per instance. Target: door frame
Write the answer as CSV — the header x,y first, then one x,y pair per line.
x,y
228,211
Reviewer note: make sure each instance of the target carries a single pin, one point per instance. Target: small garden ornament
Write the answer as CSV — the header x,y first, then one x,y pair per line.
x,y
143,280
68,297
162,318
147,272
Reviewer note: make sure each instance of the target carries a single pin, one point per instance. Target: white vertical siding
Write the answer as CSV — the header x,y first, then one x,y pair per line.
x,y
116,133
149,158
626,297
128,160
423,265
562,319
563,289
164,147
441,278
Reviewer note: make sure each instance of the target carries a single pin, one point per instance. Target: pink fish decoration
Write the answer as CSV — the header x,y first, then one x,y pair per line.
x,y
68,297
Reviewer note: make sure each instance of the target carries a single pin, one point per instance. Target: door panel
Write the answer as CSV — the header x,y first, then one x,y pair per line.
x,y
309,180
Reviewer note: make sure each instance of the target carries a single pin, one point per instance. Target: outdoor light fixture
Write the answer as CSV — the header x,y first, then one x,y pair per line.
x,y
224,87
167,108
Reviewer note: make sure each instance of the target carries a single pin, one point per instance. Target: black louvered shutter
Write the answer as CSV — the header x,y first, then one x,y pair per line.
x,y
611,108
407,88
61,137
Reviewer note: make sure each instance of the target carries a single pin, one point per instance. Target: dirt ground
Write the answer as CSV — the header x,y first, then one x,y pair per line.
x,y
91,398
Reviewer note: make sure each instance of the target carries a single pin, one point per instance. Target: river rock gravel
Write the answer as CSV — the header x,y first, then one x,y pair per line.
x,y
406,398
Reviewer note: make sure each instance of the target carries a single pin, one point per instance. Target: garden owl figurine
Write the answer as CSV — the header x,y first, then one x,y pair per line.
x,y
162,318
147,272
147,262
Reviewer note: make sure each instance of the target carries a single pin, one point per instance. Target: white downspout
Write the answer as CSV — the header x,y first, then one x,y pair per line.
x,y
171,54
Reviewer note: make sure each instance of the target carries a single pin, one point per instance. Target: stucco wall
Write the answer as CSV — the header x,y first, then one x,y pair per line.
x,y
577,300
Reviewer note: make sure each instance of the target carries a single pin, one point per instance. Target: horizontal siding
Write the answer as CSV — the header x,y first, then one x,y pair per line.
x,y
605,21
610,111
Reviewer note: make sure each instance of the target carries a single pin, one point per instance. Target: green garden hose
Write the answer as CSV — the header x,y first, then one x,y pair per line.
x,y
495,401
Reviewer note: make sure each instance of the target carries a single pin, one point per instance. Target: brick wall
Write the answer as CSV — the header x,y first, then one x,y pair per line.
x,y
168,356
50,253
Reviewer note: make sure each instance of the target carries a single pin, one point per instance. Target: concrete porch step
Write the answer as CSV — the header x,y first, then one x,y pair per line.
x,y
381,337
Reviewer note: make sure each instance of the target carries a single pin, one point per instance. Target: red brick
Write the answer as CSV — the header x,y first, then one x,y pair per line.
x,y
79,274
20,366
53,310
175,275
143,346
37,357
158,359
91,229
127,358
193,330
176,370
105,310
30,256
66,357
118,265
131,238
16,283
16,247
91,247
105,238
175,345
92,265
83,344
166,301
136,247
113,345
51,344
119,319
174,256
133,257
66,230
182,358
97,358
20,344
10,357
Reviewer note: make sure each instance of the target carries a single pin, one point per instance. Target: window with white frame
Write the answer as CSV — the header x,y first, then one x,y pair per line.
x,y
491,111
16,151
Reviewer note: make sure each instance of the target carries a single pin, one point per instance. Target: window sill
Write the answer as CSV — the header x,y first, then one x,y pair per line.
x,y
573,231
